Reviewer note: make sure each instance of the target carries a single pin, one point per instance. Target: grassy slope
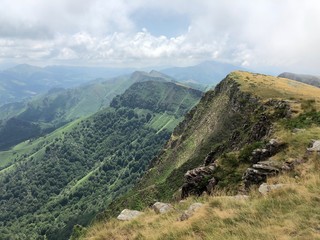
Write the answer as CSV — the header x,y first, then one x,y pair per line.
x,y
290,213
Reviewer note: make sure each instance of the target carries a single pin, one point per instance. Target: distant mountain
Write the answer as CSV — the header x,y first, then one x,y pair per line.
x,y
305,78
208,73
49,184
47,112
25,81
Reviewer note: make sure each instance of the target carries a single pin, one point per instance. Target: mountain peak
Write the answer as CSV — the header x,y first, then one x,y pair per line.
x,y
141,76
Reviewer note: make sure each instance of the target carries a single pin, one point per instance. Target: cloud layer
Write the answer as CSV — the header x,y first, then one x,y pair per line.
x,y
257,34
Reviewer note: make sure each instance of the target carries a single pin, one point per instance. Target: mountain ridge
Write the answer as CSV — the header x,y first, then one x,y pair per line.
x,y
240,116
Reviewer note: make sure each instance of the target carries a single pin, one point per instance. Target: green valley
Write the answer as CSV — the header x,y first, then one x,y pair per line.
x,y
65,178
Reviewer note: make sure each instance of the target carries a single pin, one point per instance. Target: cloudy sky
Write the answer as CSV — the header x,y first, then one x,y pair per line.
x,y
262,34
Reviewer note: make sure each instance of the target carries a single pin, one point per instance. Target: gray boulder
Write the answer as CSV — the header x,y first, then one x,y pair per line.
x,y
161,208
265,188
190,212
315,146
127,215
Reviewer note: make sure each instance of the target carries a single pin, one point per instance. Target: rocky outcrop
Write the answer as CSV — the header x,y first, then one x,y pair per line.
x,y
161,208
127,215
199,180
264,188
271,148
258,173
190,212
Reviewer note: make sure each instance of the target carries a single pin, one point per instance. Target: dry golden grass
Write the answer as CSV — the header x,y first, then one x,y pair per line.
x,y
275,87
289,213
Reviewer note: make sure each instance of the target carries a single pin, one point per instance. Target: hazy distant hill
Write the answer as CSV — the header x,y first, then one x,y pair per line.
x,y
25,81
208,73
45,113
305,78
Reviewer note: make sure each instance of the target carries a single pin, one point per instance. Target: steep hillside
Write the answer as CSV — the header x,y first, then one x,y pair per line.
x,y
248,130
49,184
305,78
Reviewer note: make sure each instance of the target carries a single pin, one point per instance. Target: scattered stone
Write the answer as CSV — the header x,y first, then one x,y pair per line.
x,y
315,146
161,208
190,212
265,188
127,215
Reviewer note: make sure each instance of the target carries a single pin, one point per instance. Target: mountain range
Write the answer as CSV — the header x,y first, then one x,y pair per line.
x,y
26,81
72,160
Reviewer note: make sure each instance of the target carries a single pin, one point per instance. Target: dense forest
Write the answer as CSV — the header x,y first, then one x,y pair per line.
x,y
67,179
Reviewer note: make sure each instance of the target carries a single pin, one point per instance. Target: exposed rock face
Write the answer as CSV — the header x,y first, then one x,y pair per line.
x,y
264,188
202,179
258,173
161,208
190,212
127,215
272,147
199,180
261,128
315,146
262,169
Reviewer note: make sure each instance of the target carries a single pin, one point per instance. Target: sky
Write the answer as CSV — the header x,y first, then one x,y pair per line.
x,y
279,35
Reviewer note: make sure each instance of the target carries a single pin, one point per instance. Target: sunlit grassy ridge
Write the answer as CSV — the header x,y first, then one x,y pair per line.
x,y
292,212
265,87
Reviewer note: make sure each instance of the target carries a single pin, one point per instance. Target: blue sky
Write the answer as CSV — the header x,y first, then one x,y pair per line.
x,y
264,34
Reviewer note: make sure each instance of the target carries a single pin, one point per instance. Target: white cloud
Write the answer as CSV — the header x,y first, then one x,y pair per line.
x,y
257,34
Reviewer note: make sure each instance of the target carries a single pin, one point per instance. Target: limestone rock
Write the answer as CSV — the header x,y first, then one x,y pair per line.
x,y
315,146
161,208
190,212
127,215
266,188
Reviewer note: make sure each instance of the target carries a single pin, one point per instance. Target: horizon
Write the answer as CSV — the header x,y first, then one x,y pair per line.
x,y
265,36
